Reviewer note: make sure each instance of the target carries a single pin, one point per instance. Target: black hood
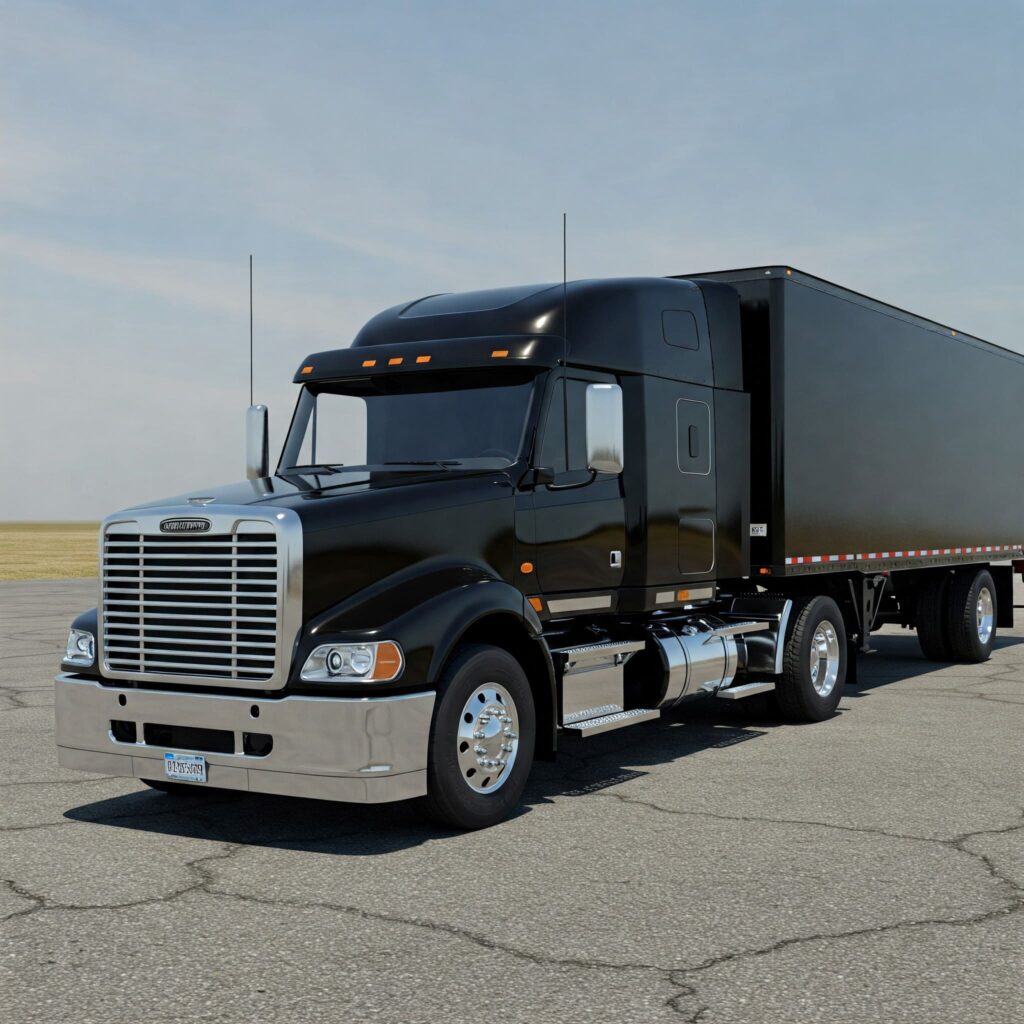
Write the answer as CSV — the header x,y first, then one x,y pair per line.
x,y
360,528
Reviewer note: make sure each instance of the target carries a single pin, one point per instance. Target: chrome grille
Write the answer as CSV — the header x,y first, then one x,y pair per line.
x,y
199,605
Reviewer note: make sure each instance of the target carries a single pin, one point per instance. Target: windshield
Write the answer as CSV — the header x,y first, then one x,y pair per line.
x,y
467,420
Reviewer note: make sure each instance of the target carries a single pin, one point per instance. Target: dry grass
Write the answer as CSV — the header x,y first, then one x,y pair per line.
x,y
48,551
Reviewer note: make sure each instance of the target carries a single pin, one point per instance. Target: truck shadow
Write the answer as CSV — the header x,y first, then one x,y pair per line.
x,y
583,767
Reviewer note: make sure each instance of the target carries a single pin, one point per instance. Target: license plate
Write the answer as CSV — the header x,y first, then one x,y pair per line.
x,y
185,767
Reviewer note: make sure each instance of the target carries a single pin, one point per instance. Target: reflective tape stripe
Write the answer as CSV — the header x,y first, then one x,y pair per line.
x,y
874,556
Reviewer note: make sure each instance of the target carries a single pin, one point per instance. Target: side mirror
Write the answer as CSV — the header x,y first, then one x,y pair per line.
x,y
543,475
604,428
257,443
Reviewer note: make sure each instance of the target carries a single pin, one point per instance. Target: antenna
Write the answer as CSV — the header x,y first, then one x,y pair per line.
x,y
250,329
565,347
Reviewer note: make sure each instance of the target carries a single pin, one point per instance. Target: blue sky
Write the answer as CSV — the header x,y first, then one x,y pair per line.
x,y
371,153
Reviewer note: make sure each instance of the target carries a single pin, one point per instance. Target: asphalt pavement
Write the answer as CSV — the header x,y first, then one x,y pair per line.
x,y
713,866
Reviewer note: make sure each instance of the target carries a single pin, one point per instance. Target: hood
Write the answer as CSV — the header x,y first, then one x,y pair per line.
x,y
361,528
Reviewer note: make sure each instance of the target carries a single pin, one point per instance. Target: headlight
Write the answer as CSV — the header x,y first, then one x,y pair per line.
x,y
81,648
374,662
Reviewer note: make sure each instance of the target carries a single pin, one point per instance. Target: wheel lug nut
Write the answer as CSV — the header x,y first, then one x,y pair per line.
x,y
479,749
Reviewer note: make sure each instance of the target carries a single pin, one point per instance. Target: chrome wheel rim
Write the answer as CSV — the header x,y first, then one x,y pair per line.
x,y
984,615
488,738
824,659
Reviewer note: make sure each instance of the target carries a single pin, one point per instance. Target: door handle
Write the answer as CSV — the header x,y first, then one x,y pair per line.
x,y
615,559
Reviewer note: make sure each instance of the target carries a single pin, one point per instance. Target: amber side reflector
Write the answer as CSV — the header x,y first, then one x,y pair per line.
x,y
764,572
682,595
500,353
423,359
395,361
536,604
369,362
307,369
526,567
388,663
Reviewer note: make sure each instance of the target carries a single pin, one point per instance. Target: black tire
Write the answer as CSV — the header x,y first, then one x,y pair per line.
x,y
933,617
798,698
965,628
176,788
452,797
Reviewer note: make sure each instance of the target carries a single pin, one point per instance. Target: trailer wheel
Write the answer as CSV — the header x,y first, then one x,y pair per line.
x,y
933,617
814,666
482,739
972,615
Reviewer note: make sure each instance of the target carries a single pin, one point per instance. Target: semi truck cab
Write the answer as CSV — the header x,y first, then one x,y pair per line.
x,y
498,518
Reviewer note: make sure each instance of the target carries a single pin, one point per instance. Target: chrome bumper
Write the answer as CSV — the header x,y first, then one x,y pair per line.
x,y
362,750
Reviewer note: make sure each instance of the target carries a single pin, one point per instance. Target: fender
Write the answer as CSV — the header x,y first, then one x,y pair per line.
x,y
427,608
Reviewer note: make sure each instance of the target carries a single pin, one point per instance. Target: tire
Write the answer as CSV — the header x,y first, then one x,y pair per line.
x,y
189,789
933,617
812,695
972,615
466,787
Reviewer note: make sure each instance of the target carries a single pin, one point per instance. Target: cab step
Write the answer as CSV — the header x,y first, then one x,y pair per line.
x,y
746,690
613,719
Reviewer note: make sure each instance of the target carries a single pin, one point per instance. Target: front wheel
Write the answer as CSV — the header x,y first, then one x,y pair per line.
x,y
814,666
482,739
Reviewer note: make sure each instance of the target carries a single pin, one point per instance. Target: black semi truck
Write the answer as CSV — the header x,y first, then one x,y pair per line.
x,y
505,516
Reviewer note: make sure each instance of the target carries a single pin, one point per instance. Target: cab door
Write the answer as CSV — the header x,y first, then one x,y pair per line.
x,y
579,514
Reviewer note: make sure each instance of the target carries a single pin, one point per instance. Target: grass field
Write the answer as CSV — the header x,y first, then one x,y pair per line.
x,y
47,551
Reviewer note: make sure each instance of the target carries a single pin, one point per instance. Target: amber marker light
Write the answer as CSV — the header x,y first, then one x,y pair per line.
x,y
682,595
395,361
500,353
388,663
526,567
307,369
423,359
369,362
536,604
764,571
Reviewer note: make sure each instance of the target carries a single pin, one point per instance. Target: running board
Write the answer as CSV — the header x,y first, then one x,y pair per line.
x,y
746,690
615,720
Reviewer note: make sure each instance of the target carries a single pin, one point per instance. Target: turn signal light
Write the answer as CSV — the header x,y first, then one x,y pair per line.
x,y
536,604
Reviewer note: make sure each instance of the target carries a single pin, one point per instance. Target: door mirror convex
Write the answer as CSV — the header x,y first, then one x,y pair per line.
x,y
604,428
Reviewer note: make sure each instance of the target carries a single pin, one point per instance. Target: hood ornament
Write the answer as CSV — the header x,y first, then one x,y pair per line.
x,y
200,501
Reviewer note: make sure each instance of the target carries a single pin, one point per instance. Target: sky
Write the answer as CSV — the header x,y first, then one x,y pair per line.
x,y
370,153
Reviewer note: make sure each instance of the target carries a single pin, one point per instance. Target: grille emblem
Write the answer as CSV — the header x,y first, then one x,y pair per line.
x,y
184,525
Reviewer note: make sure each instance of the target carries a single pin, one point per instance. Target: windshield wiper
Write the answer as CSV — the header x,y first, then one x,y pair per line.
x,y
443,463
317,467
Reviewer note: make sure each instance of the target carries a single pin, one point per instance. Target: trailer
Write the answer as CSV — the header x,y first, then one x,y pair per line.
x,y
501,519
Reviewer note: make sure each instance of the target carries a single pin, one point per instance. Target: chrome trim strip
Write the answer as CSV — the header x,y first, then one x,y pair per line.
x,y
225,519
579,604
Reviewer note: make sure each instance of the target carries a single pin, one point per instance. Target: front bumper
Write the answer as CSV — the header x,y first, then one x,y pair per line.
x,y
362,750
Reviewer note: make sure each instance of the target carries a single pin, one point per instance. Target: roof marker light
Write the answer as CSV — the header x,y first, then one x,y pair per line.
x,y
369,362
395,361
500,353
307,369
423,359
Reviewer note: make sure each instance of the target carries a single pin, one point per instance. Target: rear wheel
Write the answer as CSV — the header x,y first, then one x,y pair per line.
x,y
933,617
482,739
814,666
972,615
